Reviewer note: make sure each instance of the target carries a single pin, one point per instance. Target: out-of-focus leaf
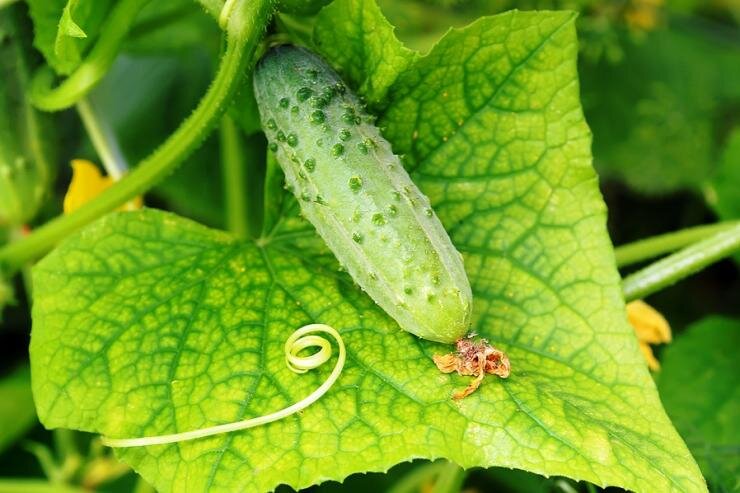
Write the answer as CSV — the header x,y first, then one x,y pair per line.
x,y
654,115
354,35
17,413
723,190
700,388
65,29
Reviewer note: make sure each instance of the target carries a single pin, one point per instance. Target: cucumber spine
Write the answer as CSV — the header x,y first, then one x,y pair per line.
x,y
358,196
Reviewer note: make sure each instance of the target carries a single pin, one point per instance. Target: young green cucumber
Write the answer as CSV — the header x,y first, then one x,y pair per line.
x,y
358,196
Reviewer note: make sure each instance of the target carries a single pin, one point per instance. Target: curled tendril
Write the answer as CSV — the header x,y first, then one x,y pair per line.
x,y
299,340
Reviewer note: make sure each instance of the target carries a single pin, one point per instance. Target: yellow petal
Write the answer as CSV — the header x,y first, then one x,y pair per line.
x,y
647,353
650,326
87,183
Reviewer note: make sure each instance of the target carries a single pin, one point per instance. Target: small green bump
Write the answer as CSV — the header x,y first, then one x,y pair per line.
x,y
317,117
304,93
301,174
378,219
284,103
271,125
357,237
430,297
373,276
428,212
318,102
281,136
340,88
392,210
295,110
313,74
306,197
273,146
435,279
310,164
348,118
355,183
397,195
328,94
320,200
408,290
356,217
370,143
337,150
345,134
292,140
325,127
320,142
362,148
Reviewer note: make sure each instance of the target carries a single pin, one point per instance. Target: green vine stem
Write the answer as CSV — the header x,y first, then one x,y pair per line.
x,y
681,264
232,162
666,243
243,31
34,485
93,68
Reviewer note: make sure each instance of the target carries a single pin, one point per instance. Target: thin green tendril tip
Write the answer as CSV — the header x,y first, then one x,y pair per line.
x,y
299,340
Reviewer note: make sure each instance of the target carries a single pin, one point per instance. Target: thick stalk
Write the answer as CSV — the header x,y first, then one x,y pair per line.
x,y
244,29
667,243
103,139
93,68
673,268
234,179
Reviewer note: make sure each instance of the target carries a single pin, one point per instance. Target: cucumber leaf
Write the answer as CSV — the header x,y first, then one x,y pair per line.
x,y
356,38
700,388
146,323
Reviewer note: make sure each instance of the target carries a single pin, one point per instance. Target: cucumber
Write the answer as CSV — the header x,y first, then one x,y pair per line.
x,y
358,196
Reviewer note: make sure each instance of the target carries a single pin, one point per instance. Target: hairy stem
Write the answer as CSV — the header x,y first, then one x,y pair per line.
x,y
667,243
243,32
232,162
93,68
673,268
103,140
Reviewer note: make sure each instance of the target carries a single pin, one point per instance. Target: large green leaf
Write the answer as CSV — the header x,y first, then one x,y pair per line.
x,y
700,387
145,323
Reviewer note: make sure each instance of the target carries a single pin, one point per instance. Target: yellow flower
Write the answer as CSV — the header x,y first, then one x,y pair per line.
x,y
650,327
87,183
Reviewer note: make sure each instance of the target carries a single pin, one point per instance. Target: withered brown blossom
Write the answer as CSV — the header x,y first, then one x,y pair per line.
x,y
474,358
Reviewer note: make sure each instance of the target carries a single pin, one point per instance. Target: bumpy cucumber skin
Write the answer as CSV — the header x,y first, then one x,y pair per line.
x,y
358,196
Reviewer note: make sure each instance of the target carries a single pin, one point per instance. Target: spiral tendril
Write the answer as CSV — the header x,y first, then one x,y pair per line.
x,y
301,339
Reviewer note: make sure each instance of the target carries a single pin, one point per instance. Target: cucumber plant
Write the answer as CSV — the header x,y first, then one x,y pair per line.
x,y
186,349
